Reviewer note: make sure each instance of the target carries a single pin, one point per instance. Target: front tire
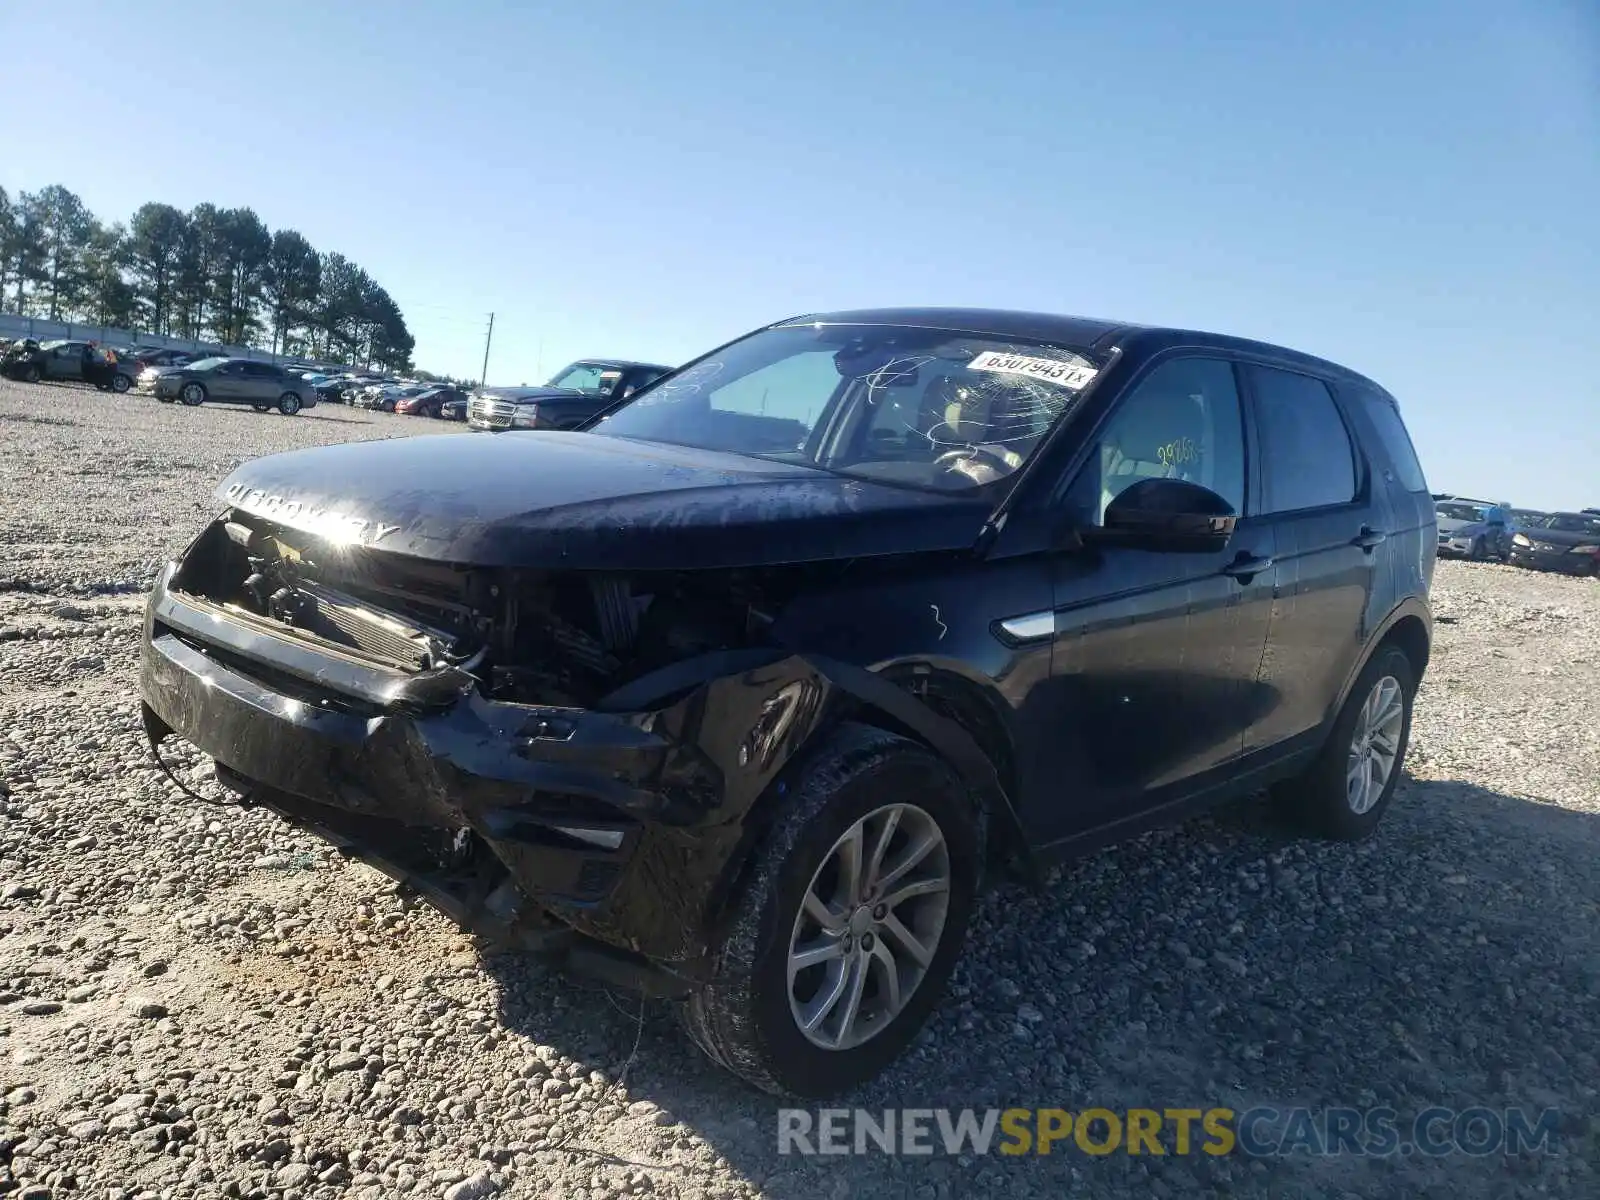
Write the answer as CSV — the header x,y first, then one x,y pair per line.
x,y
193,394
288,404
850,922
1346,790
31,375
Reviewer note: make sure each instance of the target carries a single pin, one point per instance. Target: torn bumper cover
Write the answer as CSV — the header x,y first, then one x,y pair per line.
x,y
611,836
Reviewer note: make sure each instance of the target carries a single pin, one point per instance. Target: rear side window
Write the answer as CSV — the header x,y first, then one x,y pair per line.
x,y
1395,440
1306,455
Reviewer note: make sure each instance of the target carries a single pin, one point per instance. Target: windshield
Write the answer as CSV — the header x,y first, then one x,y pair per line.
x,y
206,364
1463,512
924,407
1574,523
587,377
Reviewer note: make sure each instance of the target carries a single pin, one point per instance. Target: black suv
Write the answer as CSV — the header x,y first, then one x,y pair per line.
x,y
734,695
577,394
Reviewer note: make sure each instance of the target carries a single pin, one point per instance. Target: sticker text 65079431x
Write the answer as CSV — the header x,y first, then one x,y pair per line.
x,y
1071,373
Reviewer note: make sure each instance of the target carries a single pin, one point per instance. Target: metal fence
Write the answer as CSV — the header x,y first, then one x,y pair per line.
x,y
13,326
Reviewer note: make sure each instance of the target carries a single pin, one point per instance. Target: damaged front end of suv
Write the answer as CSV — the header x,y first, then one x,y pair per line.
x,y
567,760
706,694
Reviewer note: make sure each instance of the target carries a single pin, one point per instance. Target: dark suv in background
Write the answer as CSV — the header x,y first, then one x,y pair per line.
x,y
574,396
734,696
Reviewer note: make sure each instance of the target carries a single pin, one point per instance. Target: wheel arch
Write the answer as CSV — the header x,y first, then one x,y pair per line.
x,y
947,714
1410,627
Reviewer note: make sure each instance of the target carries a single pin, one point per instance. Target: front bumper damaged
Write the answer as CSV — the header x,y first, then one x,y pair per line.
x,y
611,835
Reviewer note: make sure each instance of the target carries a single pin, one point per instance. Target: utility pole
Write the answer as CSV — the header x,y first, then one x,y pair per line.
x,y
483,379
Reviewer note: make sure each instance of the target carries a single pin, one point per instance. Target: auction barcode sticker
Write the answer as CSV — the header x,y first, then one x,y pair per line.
x,y
1075,375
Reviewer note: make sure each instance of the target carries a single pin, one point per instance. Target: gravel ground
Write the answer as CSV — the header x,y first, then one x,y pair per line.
x,y
197,1002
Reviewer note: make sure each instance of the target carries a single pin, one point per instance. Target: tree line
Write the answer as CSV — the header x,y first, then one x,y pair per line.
x,y
209,273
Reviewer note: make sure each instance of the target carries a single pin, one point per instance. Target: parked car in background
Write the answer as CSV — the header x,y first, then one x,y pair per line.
x,y
64,361
731,697
262,385
430,401
331,390
1474,529
355,392
36,362
167,357
1565,542
385,396
572,397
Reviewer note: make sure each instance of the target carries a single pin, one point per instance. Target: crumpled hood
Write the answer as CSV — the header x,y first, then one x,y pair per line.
x,y
585,501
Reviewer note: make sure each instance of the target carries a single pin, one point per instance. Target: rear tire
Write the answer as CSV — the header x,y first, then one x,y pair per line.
x,y
120,383
883,800
288,404
1340,795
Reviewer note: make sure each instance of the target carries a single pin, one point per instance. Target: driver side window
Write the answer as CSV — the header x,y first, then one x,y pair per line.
x,y
1181,421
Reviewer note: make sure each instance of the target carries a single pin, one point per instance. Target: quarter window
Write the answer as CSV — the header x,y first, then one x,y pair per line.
x,y
1396,442
1182,421
1307,460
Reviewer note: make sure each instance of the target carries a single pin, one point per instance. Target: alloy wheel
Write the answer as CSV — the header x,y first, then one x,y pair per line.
x,y
868,926
1375,744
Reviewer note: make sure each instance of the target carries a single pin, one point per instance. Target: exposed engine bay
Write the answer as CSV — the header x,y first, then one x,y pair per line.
x,y
540,637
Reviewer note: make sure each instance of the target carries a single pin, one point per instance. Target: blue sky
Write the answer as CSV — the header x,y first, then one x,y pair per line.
x,y
1411,188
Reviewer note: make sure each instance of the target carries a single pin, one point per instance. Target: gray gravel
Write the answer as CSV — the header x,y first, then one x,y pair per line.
x,y
197,1003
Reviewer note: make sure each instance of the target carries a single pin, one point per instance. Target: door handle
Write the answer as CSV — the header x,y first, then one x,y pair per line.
x,y
1246,567
1369,537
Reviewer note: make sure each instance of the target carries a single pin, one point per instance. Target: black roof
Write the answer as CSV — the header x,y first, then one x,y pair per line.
x,y
1044,327
1089,333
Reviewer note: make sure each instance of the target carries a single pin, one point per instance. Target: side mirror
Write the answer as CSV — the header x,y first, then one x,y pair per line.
x,y
1166,515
